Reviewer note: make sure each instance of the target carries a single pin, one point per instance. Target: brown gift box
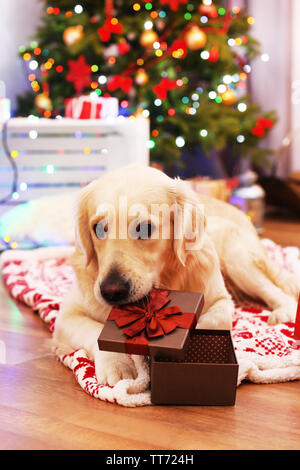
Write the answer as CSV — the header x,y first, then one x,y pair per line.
x,y
172,345
207,375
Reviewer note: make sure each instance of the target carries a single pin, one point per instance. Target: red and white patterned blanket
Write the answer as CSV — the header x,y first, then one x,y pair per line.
x,y
41,278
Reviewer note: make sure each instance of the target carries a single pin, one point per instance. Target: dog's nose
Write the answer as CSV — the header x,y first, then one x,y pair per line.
x,y
114,288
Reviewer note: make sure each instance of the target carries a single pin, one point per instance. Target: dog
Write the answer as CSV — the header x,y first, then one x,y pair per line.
x,y
213,241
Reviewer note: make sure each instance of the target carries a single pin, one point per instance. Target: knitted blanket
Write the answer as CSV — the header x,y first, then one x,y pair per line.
x,y
266,354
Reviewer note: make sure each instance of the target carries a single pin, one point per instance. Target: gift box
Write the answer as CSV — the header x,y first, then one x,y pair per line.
x,y
87,107
159,324
206,376
219,189
296,345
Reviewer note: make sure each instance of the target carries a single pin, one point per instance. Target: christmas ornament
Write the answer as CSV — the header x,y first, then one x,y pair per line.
x,y
110,26
195,38
141,77
148,37
163,87
73,34
228,97
208,10
214,54
172,4
43,102
79,73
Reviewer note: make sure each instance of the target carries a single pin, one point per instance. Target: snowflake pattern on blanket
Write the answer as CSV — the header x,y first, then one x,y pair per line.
x,y
265,353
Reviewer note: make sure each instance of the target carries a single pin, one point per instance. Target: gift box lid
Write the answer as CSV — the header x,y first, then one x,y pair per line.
x,y
157,325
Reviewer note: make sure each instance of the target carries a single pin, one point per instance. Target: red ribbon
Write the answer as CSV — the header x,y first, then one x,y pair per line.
x,y
150,319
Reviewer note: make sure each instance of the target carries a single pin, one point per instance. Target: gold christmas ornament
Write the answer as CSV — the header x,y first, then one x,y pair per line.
x,y
73,34
141,77
148,37
195,38
228,97
42,101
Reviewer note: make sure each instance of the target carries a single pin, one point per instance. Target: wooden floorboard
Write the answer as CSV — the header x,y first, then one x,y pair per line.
x,y
43,407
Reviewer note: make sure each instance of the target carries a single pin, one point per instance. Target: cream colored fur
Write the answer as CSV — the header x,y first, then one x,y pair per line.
x,y
227,243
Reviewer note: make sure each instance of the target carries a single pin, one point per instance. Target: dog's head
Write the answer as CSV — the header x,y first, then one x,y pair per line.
x,y
132,225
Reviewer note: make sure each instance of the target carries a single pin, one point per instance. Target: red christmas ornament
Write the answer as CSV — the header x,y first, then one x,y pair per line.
x,y
79,73
172,4
214,55
111,25
163,87
119,81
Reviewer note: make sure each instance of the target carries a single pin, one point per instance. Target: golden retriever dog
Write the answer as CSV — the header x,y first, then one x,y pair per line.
x,y
125,245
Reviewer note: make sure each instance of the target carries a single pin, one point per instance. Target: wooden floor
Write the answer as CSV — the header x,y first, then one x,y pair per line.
x,y
42,406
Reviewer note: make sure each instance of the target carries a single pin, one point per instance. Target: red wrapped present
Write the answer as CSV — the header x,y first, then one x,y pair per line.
x,y
297,326
157,325
86,107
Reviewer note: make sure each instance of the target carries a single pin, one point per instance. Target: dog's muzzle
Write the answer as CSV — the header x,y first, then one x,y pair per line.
x,y
114,288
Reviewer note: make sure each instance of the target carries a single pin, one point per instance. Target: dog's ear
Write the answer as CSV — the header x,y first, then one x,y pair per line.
x,y
82,230
189,221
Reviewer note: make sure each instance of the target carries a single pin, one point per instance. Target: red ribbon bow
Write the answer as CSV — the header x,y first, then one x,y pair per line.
x,y
110,26
163,87
153,317
261,124
118,81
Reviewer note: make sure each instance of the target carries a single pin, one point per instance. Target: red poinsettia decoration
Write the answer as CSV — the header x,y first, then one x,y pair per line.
x,y
111,25
162,88
261,125
79,73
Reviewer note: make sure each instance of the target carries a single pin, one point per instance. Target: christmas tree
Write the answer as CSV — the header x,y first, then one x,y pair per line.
x,y
182,63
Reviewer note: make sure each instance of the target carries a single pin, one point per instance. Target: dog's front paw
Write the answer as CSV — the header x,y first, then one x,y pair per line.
x,y
111,367
283,314
218,317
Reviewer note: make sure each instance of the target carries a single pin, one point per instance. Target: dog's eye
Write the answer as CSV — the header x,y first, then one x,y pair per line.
x,y
144,230
101,230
